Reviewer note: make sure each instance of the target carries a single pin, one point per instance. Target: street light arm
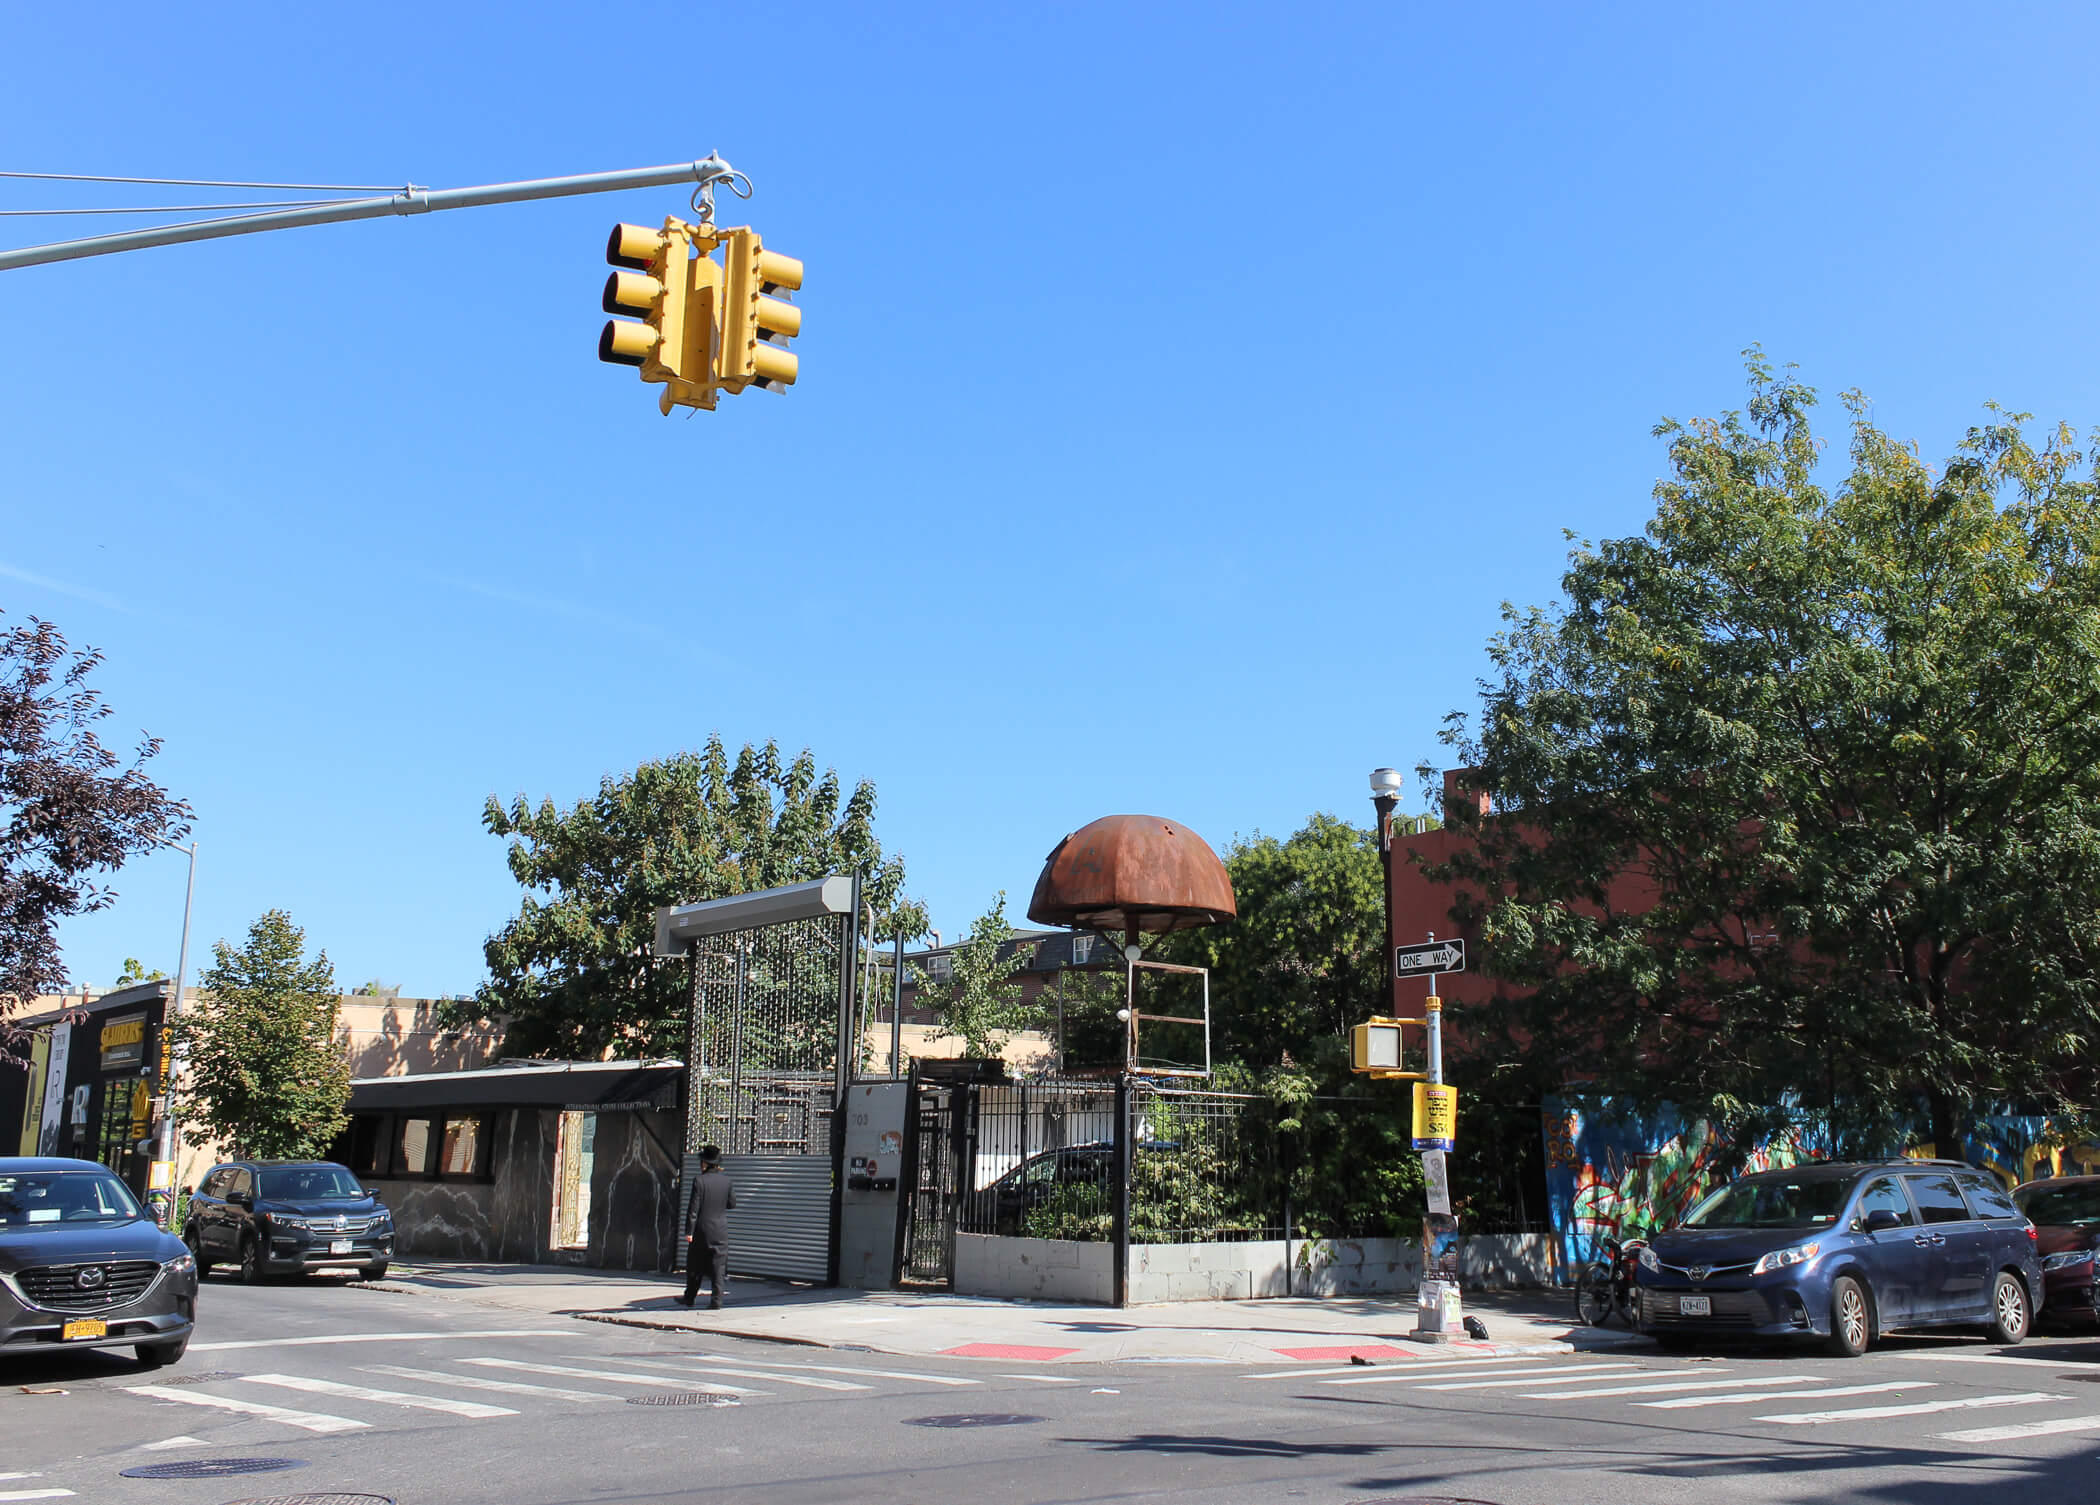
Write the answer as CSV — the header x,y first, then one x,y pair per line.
x,y
410,200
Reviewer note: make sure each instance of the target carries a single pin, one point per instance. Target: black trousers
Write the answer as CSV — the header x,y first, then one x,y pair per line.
x,y
708,1262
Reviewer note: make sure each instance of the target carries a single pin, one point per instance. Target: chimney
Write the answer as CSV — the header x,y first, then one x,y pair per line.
x,y
1462,802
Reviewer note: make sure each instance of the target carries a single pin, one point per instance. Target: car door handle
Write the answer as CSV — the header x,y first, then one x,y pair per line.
x,y
1920,1240
1939,1238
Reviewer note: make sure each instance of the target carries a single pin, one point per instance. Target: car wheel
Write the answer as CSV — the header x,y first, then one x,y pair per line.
x,y
251,1262
154,1355
2009,1319
197,1253
372,1272
1851,1318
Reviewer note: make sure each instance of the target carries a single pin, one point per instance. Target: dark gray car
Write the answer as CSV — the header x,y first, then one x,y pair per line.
x,y
82,1265
288,1217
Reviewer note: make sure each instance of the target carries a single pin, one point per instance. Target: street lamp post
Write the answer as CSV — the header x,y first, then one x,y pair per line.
x,y
1385,797
165,1150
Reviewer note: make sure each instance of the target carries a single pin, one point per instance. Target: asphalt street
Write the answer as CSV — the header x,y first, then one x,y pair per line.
x,y
420,1400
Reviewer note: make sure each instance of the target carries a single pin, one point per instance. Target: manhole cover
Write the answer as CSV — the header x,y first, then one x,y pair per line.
x,y
211,1468
203,1377
684,1398
323,1499
974,1419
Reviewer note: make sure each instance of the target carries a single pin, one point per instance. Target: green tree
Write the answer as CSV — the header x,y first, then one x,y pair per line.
x,y
1798,793
980,1002
1303,960
71,812
573,970
266,1073
136,971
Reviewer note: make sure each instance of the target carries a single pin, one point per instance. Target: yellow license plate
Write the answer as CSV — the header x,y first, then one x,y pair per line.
x,y
83,1327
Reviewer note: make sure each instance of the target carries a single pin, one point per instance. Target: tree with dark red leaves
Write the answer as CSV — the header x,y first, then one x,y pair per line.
x,y
71,811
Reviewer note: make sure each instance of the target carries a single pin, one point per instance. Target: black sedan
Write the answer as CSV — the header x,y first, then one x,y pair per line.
x,y
82,1265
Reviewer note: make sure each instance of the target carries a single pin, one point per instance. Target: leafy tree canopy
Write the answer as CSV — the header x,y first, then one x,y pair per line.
x,y
266,1072
1799,791
70,811
136,971
573,969
980,1002
1303,960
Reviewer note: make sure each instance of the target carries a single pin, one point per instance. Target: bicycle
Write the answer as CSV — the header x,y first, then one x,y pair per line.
x,y
1605,1288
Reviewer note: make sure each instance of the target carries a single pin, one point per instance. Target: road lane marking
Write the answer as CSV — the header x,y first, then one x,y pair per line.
x,y
617,1376
306,1421
1685,1402
701,1366
504,1332
1922,1408
1043,1379
2025,1429
172,1442
1533,1374
477,1382
1529,1379
1411,1366
34,1494
474,1410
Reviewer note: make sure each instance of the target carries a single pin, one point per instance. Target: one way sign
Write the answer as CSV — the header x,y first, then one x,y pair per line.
x,y
1419,961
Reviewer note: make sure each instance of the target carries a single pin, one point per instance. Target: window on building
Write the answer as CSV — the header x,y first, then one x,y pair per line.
x,y
369,1143
412,1145
464,1146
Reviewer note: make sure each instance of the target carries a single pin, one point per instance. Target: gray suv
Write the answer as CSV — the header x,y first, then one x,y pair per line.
x,y
82,1265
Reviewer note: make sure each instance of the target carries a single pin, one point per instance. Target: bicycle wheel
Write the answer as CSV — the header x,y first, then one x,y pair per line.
x,y
1593,1294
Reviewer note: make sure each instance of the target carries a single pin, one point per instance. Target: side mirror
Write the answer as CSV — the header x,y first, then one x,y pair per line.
x,y
1880,1220
240,1199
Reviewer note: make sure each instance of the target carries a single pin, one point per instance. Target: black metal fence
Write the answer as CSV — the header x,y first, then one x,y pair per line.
x,y
1040,1160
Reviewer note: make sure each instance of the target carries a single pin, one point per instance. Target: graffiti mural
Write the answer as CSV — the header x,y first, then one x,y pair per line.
x,y
1623,1174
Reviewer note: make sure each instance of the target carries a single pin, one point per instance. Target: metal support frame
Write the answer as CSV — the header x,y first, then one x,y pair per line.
x,y
1121,1230
706,172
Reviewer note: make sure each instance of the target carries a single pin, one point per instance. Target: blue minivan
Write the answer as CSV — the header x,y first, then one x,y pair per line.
x,y
1844,1252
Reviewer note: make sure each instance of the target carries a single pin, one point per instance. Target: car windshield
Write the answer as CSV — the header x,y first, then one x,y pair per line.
x,y
309,1183
1806,1203
2060,1206
31,1197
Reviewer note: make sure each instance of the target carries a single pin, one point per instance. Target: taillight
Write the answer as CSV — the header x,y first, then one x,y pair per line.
x,y
2033,1234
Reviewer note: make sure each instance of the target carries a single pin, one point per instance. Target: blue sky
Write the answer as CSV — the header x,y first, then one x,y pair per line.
x,y
1185,388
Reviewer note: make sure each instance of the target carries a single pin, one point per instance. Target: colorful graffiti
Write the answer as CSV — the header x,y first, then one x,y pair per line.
x,y
1625,1175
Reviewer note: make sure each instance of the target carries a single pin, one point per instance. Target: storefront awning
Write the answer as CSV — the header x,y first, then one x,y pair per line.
x,y
555,1084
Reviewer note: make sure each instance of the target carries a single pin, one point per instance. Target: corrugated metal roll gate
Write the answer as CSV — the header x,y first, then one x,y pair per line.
x,y
782,1223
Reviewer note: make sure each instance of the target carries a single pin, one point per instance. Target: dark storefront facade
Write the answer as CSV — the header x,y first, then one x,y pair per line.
x,y
91,1084
560,1163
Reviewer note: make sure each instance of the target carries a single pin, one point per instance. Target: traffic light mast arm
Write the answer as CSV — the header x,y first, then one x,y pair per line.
x,y
709,170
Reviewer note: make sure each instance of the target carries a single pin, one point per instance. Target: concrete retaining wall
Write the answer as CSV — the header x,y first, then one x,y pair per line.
x,y
1055,1270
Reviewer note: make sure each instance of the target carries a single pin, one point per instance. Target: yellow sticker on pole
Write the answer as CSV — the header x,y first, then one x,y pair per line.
x,y
1436,1116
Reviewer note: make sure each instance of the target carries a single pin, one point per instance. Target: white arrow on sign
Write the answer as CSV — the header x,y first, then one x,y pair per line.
x,y
1415,961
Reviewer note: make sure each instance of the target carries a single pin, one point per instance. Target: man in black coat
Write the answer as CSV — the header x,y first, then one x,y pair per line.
x,y
707,1256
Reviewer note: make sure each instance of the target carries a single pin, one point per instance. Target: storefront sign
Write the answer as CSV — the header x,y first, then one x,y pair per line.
x,y
123,1043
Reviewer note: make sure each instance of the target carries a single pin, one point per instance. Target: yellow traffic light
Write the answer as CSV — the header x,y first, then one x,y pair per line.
x,y
668,282
758,319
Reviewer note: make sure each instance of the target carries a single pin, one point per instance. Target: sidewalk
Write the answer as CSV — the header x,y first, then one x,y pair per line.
x,y
934,1323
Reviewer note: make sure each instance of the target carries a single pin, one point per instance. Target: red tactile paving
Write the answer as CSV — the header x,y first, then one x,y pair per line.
x,y
1349,1351
1006,1351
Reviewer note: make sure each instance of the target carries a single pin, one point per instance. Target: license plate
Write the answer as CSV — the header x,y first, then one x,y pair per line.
x,y
339,1246
1695,1306
83,1327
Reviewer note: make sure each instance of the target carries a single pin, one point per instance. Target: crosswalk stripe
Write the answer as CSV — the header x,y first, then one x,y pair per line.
x,y
1411,1366
1687,1401
35,1494
2025,1429
1043,1379
333,1338
1534,1373
307,1421
1665,1387
880,1374
477,1382
697,1367
1529,1379
474,1410
617,1376
1922,1408
167,1443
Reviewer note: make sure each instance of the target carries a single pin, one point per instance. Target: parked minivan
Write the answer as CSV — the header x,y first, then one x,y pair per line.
x,y
1844,1252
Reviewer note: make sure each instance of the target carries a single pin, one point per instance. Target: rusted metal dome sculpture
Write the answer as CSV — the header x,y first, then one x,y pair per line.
x,y
1133,873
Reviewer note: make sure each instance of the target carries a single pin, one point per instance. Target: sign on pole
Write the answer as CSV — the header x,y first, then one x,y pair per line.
x,y
1436,1116
1436,1182
1423,961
